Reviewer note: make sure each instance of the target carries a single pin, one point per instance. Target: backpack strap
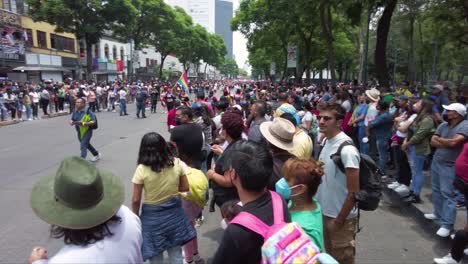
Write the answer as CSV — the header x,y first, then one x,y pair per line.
x,y
252,223
337,156
278,210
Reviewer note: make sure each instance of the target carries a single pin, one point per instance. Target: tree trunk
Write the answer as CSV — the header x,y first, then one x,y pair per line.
x,y
326,21
161,67
366,47
410,77
340,71
361,55
89,58
321,76
381,45
206,77
421,54
285,65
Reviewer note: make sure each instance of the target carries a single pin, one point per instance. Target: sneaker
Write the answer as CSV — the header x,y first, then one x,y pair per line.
x,y
393,185
460,204
445,260
197,259
412,199
29,119
198,222
430,216
96,158
443,232
113,111
402,189
465,251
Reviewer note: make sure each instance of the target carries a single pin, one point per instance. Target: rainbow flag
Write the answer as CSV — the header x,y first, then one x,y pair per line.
x,y
183,81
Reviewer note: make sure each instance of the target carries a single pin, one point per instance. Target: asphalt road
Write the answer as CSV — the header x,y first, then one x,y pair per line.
x,y
30,150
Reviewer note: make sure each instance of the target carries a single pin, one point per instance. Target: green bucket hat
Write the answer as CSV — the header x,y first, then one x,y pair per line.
x,y
78,196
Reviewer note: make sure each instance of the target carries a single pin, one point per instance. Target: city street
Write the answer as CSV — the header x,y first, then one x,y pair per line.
x,y
30,150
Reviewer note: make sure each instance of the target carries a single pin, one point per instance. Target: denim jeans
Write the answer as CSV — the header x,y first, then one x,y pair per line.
x,y
35,107
417,165
443,192
28,111
140,108
111,104
85,144
175,256
382,143
123,106
363,147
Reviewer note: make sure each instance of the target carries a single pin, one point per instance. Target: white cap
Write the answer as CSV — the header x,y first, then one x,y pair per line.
x,y
459,108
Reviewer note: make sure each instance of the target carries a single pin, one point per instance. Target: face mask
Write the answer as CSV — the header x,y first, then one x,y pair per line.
x,y
224,224
178,121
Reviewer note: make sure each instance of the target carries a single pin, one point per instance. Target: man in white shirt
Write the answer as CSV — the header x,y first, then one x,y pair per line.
x,y
337,190
84,207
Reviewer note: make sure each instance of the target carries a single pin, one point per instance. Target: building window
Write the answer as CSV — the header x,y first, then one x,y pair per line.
x,y
29,41
114,52
62,43
41,39
10,5
122,54
106,51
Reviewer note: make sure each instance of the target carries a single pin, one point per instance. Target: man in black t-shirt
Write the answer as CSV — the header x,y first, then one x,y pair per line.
x,y
249,166
188,137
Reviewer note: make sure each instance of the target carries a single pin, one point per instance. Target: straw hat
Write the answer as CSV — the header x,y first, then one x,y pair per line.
x,y
373,94
279,132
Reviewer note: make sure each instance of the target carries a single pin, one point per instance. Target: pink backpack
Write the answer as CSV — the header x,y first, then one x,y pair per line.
x,y
284,242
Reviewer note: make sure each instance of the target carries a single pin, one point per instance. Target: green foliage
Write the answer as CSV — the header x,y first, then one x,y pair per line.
x,y
229,68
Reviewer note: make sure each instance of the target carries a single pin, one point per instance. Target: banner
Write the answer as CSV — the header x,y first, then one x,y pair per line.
x,y
292,56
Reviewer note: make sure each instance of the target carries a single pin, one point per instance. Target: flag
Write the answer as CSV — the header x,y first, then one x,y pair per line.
x,y
183,81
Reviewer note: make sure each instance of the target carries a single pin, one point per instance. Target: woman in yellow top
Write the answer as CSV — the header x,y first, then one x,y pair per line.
x,y
164,224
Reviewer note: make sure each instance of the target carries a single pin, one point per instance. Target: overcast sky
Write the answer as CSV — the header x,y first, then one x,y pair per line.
x,y
239,43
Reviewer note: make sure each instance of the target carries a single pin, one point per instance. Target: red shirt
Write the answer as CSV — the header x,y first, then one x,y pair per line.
x,y
171,118
461,164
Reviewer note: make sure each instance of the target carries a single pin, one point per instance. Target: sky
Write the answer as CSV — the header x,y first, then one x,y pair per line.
x,y
239,43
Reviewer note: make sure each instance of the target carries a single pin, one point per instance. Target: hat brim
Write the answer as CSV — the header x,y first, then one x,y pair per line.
x,y
264,129
46,207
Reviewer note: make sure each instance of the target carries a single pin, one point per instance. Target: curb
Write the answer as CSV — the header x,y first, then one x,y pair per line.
x,y
418,215
54,115
9,122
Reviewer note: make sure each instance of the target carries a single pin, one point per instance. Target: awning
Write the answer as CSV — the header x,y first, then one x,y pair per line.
x,y
42,68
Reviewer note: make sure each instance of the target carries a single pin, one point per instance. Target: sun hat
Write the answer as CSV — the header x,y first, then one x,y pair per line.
x,y
457,107
437,87
373,94
279,132
78,196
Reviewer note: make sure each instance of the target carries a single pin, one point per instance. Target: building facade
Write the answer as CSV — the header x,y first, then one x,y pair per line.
x,y
201,11
224,13
31,50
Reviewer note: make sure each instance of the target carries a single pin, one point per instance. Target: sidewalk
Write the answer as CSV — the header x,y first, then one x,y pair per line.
x,y
418,210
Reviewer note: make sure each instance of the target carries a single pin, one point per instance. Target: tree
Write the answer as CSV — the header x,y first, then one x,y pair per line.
x,y
229,68
88,20
381,46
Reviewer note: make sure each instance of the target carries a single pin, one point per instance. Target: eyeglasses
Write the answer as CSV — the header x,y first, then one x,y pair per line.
x,y
326,118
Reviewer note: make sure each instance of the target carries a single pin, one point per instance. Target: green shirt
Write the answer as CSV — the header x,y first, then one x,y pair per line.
x,y
311,222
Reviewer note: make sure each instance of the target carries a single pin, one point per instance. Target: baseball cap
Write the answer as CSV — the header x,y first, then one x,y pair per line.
x,y
438,87
402,98
457,107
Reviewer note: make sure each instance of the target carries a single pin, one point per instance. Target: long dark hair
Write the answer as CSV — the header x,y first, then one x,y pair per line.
x,y
154,152
84,237
426,110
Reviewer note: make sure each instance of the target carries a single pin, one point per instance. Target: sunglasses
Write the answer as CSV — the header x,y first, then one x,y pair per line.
x,y
326,118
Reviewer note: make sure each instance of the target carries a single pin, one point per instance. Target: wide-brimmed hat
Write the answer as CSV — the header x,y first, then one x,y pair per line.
x,y
78,196
279,132
373,94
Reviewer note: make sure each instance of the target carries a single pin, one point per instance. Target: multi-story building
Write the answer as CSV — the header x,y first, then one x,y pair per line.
x,y
224,12
33,50
201,11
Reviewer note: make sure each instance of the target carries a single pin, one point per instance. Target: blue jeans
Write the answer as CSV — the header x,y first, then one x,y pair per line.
x,y
443,192
417,165
140,108
85,144
28,111
123,106
382,143
363,147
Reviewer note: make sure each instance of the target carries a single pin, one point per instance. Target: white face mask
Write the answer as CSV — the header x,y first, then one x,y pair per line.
x,y
224,224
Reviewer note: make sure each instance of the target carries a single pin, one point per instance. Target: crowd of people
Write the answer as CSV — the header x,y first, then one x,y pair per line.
x,y
251,145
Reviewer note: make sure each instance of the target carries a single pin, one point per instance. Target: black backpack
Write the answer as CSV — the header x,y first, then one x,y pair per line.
x,y
370,179
95,125
139,96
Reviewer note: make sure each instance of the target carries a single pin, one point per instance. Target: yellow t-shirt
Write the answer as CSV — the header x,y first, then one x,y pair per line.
x,y
303,143
198,184
161,186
